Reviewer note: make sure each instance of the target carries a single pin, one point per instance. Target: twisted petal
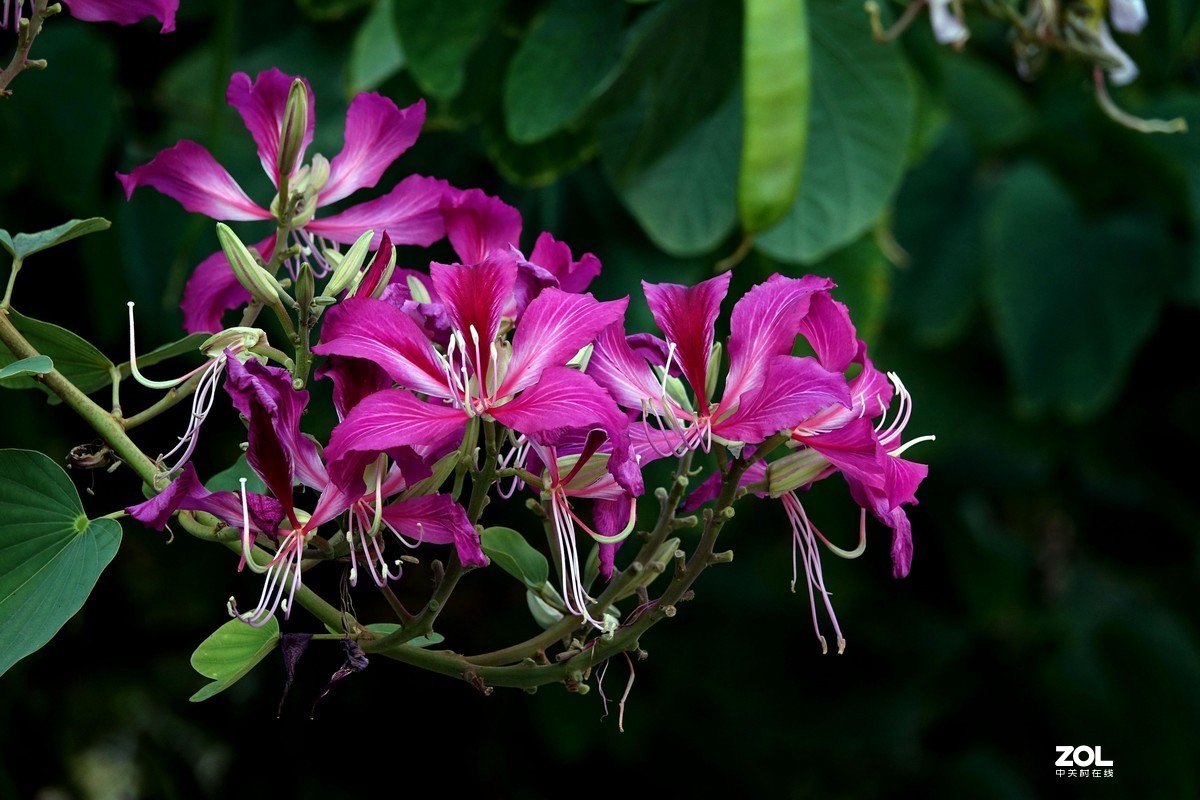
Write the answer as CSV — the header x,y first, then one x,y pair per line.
x,y
763,325
409,213
189,174
552,330
478,224
828,328
377,132
213,289
124,12
438,519
268,391
262,105
186,493
353,379
381,333
688,315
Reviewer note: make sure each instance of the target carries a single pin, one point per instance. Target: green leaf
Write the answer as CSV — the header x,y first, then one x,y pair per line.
x,y
987,102
859,125
775,89
78,361
51,554
685,201
864,283
564,58
515,556
188,344
538,165
330,9
1073,300
227,480
232,651
34,365
438,38
7,243
375,54
24,245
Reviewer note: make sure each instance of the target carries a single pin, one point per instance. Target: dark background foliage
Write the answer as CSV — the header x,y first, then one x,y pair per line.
x,y
1041,314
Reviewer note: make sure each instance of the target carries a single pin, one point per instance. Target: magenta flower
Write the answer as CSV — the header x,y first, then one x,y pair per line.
x,y
122,12
766,390
376,133
282,457
524,386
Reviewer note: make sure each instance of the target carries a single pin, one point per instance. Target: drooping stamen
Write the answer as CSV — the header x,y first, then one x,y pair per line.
x,y
573,592
803,539
133,367
247,559
202,403
516,456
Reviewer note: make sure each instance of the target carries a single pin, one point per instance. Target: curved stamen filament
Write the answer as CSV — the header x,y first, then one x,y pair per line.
x,y
804,541
133,367
573,593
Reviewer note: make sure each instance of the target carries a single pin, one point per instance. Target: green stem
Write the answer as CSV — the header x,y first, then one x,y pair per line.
x,y
12,280
109,428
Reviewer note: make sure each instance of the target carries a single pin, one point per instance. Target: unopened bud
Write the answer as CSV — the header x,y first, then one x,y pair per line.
x,y
305,288
294,129
256,280
349,266
377,276
714,369
794,470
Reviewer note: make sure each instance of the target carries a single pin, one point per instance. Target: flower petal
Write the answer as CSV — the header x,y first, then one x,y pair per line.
x,y
562,398
186,493
554,327
621,371
828,328
353,379
763,325
436,518
377,132
792,390
262,105
409,213
124,12
478,224
189,174
213,289
555,257
475,296
390,419
688,315
381,333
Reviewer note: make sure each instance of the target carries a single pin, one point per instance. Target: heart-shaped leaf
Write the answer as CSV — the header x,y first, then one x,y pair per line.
x,y
515,556
51,554
24,245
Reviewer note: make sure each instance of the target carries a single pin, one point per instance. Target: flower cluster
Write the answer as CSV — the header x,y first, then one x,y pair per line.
x,y
499,367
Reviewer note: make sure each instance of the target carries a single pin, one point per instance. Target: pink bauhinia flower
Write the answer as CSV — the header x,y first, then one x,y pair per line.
x,y
376,133
122,12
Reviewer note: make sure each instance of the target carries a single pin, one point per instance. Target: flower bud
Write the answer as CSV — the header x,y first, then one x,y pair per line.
x,y
294,128
256,280
348,266
305,287
377,276
714,368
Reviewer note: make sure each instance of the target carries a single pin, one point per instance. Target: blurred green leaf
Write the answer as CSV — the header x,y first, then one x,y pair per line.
x,y
72,108
775,90
569,50
375,54
859,125
51,554
540,164
231,652
987,102
514,555
686,200
1073,300
864,283
34,365
24,245
438,39
330,9
229,479
78,361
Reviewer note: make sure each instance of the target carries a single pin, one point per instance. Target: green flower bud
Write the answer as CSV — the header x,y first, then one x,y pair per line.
x,y
348,266
305,288
295,126
256,280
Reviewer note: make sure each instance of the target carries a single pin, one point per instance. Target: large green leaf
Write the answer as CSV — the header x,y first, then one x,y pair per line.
x,y
775,88
51,554
1073,299
986,101
569,50
231,652
78,361
376,54
686,200
438,38
514,555
24,245
34,365
860,120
